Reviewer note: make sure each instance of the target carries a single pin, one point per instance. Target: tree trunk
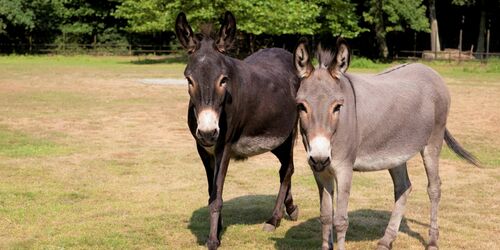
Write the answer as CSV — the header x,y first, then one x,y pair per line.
x,y
435,44
251,42
380,31
482,29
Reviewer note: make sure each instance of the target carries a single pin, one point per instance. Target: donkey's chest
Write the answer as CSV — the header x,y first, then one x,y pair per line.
x,y
254,145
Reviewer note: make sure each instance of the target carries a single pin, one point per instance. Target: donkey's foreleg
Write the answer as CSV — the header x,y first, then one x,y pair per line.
x,y
325,188
209,164
402,189
343,176
215,202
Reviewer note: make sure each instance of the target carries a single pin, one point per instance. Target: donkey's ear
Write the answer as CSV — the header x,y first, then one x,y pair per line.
x,y
227,33
185,33
342,58
301,59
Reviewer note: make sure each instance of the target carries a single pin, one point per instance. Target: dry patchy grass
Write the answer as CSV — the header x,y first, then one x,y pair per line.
x,y
90,158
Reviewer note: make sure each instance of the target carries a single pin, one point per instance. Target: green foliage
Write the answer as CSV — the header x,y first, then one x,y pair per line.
x,y
14,12
28,15
340,18
273,17
463,2
258,17
85,21
398,15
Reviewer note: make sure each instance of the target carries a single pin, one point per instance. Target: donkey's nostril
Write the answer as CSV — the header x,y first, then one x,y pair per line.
x,y
312,159
207,137
326,161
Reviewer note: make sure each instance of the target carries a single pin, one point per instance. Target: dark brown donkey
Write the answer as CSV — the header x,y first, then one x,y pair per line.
x,y
371,122
239,109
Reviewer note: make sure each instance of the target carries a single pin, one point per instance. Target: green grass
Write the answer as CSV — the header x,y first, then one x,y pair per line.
x,y
16,144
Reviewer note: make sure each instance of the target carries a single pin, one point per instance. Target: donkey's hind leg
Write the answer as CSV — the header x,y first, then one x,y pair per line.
x,y
402,189
285,155
430,155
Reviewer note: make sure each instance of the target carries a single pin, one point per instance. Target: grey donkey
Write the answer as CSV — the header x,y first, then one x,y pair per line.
x,y
354,122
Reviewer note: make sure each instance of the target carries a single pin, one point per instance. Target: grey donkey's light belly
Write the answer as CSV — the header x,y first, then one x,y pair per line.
x,y
254,145
377,162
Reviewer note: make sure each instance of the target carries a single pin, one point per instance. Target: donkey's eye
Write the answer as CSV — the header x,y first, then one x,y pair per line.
x,y
223,81
301,108
337,108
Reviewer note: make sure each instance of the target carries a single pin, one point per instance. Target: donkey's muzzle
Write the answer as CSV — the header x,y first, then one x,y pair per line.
x,y
318,164
207,137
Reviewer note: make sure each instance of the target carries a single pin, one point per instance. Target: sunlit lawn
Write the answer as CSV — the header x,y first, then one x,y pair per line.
x,y
90,158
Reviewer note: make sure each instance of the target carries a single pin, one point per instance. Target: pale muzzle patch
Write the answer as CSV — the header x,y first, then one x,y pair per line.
x,y
319,147
208,120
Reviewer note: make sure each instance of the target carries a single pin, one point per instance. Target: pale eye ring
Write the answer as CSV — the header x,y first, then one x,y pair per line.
x,y
223,81
190,82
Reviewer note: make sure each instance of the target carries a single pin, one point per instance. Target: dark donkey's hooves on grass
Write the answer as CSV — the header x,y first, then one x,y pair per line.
x,y
271,224
268,227
293,213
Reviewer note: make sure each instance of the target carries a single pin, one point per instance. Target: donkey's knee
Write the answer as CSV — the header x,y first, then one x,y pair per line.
x,y
434,190
341,223
215,205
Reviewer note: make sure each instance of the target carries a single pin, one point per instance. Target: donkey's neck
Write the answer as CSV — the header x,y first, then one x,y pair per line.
x,y
345,140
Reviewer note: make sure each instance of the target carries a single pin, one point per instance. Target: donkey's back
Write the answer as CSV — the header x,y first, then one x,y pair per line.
x,y
277,64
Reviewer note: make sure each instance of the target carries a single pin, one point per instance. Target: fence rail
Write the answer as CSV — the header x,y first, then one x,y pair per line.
x,y
446,55
92,49
140,49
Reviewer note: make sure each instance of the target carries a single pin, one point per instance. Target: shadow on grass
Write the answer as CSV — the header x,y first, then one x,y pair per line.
x,y
160,60
364,225
244,210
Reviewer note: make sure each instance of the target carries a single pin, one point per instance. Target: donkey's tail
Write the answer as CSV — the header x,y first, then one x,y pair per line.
x,y
459,150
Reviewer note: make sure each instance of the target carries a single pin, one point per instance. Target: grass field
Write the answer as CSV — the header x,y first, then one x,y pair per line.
x,y
92,159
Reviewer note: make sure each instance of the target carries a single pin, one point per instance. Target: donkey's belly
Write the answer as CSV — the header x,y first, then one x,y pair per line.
x,y
250,146
378,162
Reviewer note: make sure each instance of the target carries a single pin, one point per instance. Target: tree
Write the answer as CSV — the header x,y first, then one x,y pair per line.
x,y
83,20
254,17
340,18
15,13
29,21
272,17
394,15
482,20
435,44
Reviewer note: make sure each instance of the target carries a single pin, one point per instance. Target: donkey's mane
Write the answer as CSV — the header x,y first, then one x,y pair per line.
x,y
325,56
207,31
389,70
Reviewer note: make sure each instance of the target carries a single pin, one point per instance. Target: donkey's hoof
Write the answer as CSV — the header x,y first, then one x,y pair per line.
x,y
384,245
268,227
213,244
294,214
433,247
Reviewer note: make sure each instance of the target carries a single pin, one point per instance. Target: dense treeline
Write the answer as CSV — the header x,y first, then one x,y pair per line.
x,y
380,27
